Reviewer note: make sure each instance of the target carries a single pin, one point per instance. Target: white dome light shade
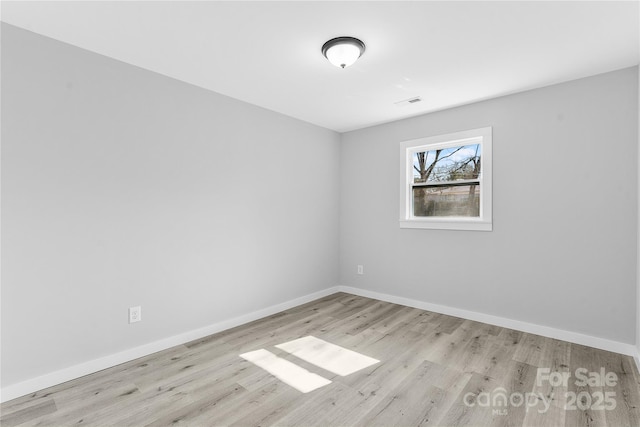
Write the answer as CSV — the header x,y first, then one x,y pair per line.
x,y
343,51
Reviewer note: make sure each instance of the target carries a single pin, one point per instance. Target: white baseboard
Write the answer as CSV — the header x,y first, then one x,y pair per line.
x,y
545,331
89,367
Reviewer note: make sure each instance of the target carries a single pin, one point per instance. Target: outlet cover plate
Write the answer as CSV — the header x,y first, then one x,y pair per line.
x,y
135,314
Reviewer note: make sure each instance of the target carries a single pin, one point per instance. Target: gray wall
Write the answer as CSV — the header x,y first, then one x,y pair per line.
x,y
563,248
121,187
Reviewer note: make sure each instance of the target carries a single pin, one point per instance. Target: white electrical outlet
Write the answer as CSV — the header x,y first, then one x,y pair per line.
x,y
360,269
135,314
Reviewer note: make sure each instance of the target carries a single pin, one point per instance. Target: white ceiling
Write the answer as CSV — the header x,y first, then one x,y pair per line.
x,y
268,53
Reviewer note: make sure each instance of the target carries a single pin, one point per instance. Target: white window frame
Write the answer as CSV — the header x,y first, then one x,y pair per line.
x,y
484,222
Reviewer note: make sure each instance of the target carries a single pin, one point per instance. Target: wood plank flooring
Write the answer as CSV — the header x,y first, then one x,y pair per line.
x,y
434,370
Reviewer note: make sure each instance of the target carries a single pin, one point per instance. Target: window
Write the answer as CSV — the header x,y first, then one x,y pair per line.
x,y
445,181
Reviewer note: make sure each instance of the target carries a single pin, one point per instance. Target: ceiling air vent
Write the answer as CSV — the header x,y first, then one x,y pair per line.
x,y
409,101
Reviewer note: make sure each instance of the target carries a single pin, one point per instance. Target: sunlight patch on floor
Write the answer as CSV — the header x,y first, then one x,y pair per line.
x,y
323,354
287,372
330,357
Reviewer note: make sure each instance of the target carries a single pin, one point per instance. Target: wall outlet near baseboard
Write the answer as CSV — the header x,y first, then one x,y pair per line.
x,y
360,269
135,314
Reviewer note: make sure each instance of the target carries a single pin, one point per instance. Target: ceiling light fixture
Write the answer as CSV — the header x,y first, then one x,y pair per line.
x,y
343,51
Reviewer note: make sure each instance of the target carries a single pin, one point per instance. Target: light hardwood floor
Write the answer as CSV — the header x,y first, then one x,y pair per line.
x,y
434,370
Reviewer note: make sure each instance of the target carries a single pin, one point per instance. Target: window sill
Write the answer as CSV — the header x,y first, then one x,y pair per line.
x,y
458,224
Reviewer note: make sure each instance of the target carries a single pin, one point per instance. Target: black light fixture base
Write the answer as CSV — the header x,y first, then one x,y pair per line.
x,y
343,40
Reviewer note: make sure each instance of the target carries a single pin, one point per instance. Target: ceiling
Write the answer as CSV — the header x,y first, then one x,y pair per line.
x,y
268,53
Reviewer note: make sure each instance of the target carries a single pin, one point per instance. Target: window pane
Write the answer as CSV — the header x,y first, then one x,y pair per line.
x,y
447,164
458,200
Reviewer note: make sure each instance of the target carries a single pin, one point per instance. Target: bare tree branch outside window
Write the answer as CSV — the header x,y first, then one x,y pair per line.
x,y
446,181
